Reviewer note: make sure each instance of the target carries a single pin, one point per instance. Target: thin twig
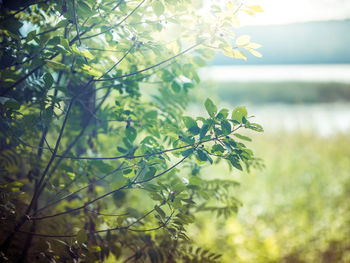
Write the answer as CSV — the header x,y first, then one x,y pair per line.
x,y
107,194
76,22
153,66
118,24
119,168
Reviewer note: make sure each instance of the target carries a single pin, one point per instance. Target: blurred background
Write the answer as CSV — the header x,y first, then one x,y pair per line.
x,y
297,208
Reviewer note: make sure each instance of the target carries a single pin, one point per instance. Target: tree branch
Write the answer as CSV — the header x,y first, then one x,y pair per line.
x,y
76,21
119,168
107,194
20,10
115,228
153,66
118,24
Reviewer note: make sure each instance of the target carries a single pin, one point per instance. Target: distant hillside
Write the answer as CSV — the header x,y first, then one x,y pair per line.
x,y
323,42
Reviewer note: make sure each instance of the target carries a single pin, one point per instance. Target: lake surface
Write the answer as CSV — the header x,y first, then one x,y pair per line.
x,y
320,119
278,73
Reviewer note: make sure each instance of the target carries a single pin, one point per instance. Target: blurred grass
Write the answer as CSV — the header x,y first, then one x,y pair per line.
x,y
280,92
295,210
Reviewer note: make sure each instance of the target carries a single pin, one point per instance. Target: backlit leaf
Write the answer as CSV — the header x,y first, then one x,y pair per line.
x,y
210,107
238,113
243,40
158,7
256,8
255,53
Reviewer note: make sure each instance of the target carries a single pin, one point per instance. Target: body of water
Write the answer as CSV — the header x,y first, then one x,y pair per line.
x,y
278,73
323,119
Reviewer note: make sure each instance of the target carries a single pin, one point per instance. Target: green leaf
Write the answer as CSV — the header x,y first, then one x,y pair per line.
x,y
235,162
176,86
12,104
122,150
189,122
84,53
226,127
223,113
82,236
91,71
242,137
218,148
178,188
158,7
55,65
255,127
48,80
187,152
94,249
128,173
102,166
210,107
195,180
228,147
238,113
194,130
203,131
160,211
62,23
31,35
130,133
201,155
150,173
188,85
156,196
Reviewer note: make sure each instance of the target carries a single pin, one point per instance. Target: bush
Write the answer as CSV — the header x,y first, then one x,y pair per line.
x,y
97,158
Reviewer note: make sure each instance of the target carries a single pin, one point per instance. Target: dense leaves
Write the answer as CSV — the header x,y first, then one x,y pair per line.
x,y
97,159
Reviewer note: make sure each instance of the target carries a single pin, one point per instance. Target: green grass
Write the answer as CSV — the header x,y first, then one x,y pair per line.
x,y
295,210
280,92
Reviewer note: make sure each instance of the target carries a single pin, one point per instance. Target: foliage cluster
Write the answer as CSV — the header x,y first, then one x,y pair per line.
x,y
93,134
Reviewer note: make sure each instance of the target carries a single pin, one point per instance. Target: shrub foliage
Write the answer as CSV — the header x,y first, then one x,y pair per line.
x,y
96,155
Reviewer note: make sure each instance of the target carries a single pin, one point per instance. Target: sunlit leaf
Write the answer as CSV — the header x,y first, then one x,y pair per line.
x,y
230,6
158,7
255,53
55,65
243,40
256,8
239,113
239,54
210,107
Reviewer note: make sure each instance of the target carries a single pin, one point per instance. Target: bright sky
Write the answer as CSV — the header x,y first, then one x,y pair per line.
x,y
290,11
